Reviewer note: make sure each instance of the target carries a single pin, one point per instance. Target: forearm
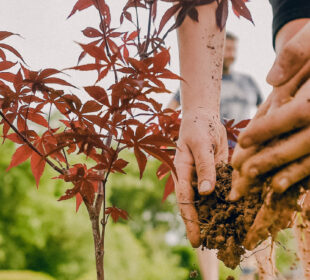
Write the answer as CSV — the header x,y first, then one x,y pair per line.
x,y
201,59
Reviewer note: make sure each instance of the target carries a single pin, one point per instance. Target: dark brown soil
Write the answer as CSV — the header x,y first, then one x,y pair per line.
x,y
229,226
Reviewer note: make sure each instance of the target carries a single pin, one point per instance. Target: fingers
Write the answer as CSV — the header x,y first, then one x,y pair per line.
x,y
291,58
277,154
205,167
185,194
240,186
221,151
291,174
241,155
288,117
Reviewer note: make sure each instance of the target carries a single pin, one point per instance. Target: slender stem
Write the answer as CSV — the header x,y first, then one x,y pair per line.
x,y
160,43
30,144
102,19
94,218
138,25
148,31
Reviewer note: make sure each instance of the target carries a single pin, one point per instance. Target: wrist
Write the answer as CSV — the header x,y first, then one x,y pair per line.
x,y
200,111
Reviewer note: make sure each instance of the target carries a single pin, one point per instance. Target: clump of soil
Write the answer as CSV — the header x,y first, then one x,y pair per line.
x,y
229,227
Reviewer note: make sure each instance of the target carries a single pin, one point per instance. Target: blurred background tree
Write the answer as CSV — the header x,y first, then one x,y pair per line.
x,y
41,234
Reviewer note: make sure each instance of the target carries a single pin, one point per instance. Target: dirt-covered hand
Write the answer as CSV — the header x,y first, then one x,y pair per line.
x,y
292,57
278,136
202,143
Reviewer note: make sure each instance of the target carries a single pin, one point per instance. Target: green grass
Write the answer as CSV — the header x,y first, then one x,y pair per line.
x,y
23,275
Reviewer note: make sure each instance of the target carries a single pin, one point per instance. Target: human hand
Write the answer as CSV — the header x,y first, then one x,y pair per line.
x,y
202,143
293,55
278,135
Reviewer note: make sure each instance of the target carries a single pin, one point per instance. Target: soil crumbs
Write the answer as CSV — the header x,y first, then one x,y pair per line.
x,y
228,226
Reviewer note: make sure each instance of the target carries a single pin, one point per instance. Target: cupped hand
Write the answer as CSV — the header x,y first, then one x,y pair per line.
x,y
278,138
202,143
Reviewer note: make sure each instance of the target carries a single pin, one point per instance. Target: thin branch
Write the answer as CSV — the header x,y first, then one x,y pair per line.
x,y
30,144
138,25
102,19
65,155
148,31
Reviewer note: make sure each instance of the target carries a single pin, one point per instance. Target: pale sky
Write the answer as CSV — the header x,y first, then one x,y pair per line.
x,y
49,38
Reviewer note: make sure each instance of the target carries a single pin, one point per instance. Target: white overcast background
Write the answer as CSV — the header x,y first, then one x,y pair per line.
x,y
48,38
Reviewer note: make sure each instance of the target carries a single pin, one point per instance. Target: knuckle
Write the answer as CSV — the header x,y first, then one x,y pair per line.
x,y
203,168
291,50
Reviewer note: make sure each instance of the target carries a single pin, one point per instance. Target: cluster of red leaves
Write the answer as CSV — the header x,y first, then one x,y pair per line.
x,y
109,121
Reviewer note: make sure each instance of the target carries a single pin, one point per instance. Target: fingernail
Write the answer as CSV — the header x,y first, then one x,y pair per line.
x,y
275,75
283,183
233,196
253,172
205,187
246,142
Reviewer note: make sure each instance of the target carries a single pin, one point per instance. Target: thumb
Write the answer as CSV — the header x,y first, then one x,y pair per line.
x,y
205,168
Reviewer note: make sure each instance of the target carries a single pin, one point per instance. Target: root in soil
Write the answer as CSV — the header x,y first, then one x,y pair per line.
x,y
229,227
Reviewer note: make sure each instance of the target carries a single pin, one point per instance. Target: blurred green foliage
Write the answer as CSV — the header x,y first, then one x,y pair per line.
x,y
36,231
23,275
39,233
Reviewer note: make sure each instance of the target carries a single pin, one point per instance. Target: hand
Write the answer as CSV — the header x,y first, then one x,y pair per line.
x,y
293,55
202,143
262,146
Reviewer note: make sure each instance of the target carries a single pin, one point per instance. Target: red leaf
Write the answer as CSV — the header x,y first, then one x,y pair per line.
x,y
79,201
157,140
57,81
15,138
98,93
240,8
37,166
222,14
21,154
37,118
167,74
91,106
162,171
7,76
80,5
133,35
141,159
116,213
242,124
87,67
95,52
119,165
47,72
169,188
5,34
4,65
12,50
91,32
160,155
161,60
168,15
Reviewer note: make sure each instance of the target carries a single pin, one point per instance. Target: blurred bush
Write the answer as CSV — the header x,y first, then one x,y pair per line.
x,y
24,275
36,231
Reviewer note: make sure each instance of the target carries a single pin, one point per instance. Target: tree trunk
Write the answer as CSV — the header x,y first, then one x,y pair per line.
x,y
99,250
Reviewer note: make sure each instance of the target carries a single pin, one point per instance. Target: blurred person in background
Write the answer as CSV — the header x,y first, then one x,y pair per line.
x,y
240,97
